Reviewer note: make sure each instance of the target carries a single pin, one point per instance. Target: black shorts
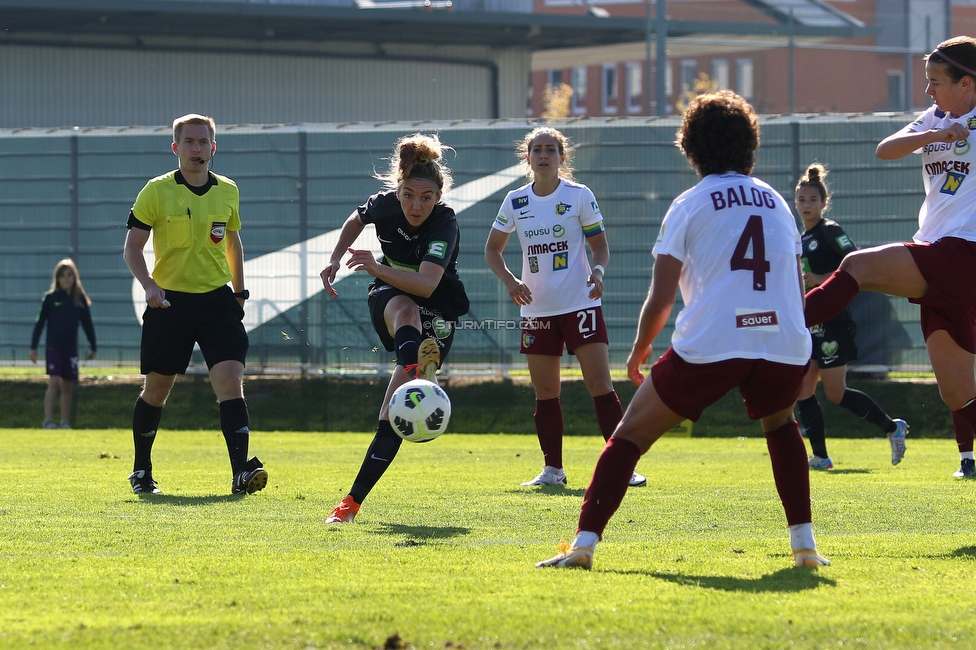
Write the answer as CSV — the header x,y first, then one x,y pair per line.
x,y
833,343
432,323
212,320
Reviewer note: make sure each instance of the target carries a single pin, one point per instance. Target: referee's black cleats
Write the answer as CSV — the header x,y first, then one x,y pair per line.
x,y
252,478
142,483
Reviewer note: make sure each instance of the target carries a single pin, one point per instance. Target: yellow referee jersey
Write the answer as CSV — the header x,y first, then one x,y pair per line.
x,y
189,231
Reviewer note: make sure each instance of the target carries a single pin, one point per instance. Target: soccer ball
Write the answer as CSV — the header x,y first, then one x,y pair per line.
x,y
419,410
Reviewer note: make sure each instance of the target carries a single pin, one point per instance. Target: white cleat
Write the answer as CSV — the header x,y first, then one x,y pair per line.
x,y
897,441
637,480
580,557
809,557
547,477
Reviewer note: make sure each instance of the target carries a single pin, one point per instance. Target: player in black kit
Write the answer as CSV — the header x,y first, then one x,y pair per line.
x,y
417,295
824,246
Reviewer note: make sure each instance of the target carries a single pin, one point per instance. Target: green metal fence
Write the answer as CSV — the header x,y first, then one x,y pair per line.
x,y
68,193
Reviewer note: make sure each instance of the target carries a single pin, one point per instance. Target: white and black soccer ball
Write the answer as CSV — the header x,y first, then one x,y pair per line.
x,y
419,410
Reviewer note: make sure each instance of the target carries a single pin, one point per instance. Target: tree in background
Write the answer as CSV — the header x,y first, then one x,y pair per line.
x,y
555,101
702,85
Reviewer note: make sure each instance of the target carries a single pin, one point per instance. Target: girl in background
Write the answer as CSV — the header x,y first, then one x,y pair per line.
x,y
64,307
825,244
558,293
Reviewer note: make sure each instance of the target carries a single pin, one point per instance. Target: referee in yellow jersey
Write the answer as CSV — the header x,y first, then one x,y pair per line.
x,y
193,217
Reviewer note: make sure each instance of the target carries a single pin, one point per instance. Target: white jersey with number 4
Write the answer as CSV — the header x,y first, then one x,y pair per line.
x,y
553,230
738,244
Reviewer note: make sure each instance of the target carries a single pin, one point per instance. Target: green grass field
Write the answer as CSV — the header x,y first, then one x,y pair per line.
x,y
442,553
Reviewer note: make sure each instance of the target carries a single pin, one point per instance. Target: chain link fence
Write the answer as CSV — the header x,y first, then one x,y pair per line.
x,y
67,193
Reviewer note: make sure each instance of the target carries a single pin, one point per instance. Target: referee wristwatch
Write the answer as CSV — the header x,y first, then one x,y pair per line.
x,y
243,295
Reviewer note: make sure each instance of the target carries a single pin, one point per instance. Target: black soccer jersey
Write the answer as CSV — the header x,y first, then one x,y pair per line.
x,y
437,240
824,246
62,316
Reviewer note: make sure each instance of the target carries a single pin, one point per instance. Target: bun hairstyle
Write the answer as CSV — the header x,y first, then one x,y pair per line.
x,y
814,177
958,56
77,291
523,146
418,156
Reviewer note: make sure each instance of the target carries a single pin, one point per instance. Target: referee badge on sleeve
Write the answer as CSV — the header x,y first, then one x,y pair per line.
x,y
217,231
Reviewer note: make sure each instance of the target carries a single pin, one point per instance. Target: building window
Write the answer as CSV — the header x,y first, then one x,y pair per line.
x,y
579,90
635,86
610,90
896,91
720,73
554,78
689,68
743,78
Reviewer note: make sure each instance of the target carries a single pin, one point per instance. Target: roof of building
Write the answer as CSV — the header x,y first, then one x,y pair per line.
x,y
271,26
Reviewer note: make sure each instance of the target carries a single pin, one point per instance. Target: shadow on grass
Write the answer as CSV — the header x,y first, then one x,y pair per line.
x,y
784,580
421,532
848,471
174,500
965,551
551,490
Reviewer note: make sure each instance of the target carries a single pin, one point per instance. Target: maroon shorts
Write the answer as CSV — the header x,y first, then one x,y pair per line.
x,y
689,388
547,334
62,363
949,268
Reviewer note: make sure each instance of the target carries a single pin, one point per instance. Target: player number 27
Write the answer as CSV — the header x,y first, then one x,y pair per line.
x,y
758,264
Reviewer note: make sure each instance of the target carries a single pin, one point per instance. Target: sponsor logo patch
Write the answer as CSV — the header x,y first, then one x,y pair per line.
x,y
560,261
753,319
952,183
520,201
217,231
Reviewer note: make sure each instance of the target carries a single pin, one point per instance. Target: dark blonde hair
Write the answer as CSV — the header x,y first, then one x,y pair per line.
x,y
523,146
958,56
814,177
77,291
418,156
719,134
193,118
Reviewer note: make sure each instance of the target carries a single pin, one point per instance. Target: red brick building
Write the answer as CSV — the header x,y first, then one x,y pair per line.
x,y
862,74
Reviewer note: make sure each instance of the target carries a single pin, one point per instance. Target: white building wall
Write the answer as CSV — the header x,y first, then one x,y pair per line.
x,y
66,86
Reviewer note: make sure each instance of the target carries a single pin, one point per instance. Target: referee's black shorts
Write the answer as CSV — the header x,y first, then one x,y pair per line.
x,y
213,320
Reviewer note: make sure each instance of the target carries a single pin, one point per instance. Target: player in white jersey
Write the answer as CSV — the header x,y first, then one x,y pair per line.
x,y
936,269
731,245
558,294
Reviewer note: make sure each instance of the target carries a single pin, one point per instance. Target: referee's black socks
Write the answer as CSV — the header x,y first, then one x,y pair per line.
x,y
236,426
145,421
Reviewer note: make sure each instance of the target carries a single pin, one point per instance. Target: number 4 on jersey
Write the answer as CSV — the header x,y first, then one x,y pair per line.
x,y
758,264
